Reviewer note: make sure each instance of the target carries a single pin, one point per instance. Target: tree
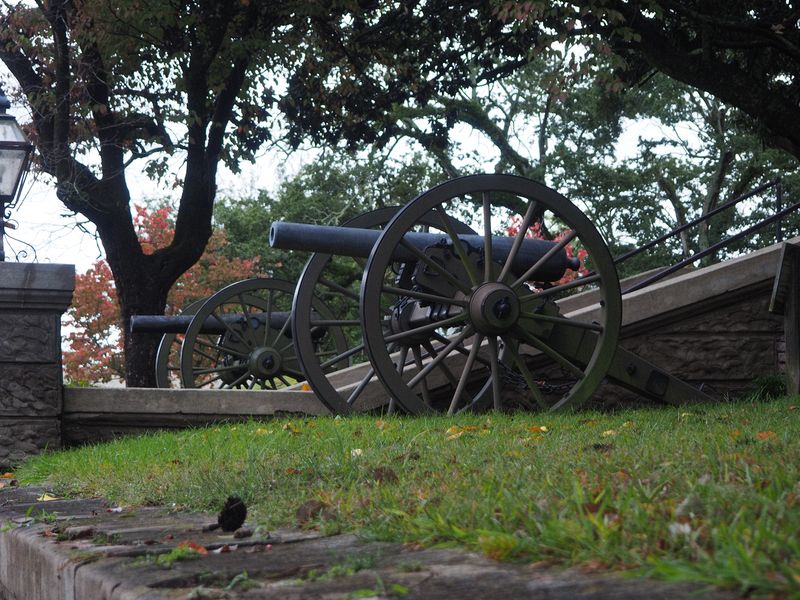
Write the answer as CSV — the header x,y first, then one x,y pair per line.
x,y
329,191
96,350
746,54
125,85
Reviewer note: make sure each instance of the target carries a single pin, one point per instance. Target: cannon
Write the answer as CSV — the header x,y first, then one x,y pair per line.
x,y
238,338
453,302
244,336
454,322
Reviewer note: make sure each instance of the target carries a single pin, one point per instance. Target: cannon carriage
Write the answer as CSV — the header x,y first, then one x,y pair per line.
x,y
457,307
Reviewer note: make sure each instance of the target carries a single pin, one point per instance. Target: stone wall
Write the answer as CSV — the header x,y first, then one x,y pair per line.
x,y
32,300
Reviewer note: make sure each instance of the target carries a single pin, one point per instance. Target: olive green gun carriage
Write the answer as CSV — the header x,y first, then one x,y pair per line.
x,y
448,302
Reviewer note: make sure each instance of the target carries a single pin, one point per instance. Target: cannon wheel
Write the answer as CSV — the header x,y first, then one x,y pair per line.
x,y
317,283
168,357
256,351
481,347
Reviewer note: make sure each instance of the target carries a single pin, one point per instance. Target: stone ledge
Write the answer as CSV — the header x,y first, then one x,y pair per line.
x,y
107,558
242,403
36,286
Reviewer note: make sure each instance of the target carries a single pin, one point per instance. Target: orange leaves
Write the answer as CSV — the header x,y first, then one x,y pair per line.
x,y
766,436
456,431
538,429
7,476
291,428
194,547
96,344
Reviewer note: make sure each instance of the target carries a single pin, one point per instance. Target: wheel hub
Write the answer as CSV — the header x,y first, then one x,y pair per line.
x,y
265,362
493,308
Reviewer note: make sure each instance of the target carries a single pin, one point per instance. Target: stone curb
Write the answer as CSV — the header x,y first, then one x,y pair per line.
x,y
89,550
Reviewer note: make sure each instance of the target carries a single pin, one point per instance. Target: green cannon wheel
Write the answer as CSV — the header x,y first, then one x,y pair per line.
x,y
483,321
341,380
240,338
168,357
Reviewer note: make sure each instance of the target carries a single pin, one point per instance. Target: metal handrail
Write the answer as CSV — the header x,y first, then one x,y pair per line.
x,y
776,218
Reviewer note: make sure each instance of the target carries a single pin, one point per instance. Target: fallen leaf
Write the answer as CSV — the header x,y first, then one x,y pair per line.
x,y
305,387
46,498
356,452
385,475
193,546
380,424
262,431
628,424
7,476
735,434
538,428
608,433
293,471
685,415
589,422
291,428
764,436
311,509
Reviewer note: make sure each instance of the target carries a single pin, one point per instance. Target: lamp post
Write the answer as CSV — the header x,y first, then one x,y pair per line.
x,y
15,151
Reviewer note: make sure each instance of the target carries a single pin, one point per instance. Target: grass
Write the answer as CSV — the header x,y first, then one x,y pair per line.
x,y
708,494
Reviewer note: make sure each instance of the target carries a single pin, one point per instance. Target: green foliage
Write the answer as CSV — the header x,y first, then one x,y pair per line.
x,y
329,191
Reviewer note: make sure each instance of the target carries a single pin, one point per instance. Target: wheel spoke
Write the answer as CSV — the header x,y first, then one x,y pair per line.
x,y
219,348
556,356
239,380
425,328
439,337
492,340
223,369
423,296
528,275
528,377
283,329
338,288
563,321
342,356
426,395
487,239
269,319
518,239
401,364
462,381
443,367
231,330
560,288
459,247
435,266
351,399
441,356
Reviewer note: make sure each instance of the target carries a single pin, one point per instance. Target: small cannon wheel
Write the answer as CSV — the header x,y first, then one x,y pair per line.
x,y
335,281
480,322
168,357
240,338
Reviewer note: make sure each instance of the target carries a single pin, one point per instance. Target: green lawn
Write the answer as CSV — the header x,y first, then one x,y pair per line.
x,y
708,494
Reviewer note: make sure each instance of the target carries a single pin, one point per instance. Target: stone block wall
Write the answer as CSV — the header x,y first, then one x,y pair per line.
x,y
32,300
724,344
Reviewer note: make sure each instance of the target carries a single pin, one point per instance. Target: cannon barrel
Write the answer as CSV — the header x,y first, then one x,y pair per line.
x,y
212,324
351,241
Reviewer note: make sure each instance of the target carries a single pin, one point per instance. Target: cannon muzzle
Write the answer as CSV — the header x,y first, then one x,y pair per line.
x,y
351,241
